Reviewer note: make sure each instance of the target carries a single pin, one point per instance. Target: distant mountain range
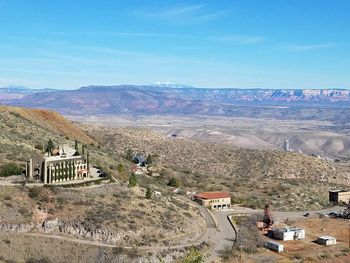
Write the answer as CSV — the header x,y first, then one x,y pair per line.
x,y
166,99
22,89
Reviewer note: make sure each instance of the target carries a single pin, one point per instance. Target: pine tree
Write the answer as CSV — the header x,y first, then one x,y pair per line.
x,y
76,144
83,149
148,193
88,161
49,147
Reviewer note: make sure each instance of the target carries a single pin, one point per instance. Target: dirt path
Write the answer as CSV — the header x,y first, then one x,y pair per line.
x,y
100,244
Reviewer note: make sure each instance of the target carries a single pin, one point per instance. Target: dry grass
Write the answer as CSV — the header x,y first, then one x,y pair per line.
x,y
287,180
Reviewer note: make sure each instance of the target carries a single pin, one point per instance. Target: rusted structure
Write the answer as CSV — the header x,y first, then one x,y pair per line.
x,y
267,219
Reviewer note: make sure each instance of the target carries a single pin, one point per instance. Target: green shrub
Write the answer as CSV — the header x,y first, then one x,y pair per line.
x,y
174,182
148,193
10,169
193,256
39,147
132,180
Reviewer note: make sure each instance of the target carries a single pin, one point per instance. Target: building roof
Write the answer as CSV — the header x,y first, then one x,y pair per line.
x,y
338,191
212,195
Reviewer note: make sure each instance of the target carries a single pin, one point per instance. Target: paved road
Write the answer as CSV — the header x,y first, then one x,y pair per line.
x,y
219,232
226,235
284,215
224,238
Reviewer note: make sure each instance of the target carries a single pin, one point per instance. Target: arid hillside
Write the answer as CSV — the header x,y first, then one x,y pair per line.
x,y
25,132
108,212
46,119
286,179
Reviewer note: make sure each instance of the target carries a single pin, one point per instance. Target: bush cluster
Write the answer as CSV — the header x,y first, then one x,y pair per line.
x,y
10,169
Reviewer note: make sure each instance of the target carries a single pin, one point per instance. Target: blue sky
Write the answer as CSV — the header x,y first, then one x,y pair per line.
x,y
247,43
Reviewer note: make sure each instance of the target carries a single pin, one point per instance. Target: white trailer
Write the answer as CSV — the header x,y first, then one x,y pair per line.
x,y
286,233
274,246
326,240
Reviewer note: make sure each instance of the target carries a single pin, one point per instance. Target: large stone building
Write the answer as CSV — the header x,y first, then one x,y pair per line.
x,y
339,197
62,164
214,200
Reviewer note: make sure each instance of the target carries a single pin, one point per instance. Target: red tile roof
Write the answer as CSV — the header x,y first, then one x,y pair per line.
x,y
213,195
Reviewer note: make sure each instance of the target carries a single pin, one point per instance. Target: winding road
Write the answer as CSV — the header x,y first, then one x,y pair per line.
x,y
219,233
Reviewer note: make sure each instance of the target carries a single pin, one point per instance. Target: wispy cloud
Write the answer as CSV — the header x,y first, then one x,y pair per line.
x,y
308,47
184,15
178,11
241,39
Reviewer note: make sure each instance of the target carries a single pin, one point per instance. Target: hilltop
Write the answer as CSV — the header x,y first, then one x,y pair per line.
x,y
22,129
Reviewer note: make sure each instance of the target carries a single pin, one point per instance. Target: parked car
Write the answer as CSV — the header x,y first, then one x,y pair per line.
x,y
103,174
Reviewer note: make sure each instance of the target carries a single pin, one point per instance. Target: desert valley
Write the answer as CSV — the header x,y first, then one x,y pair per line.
x,y
174,131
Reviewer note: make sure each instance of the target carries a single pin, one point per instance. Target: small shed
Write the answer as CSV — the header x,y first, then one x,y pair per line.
x,y
287,233
274,246
326,240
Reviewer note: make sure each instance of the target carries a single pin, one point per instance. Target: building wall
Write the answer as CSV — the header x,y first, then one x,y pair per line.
x,y
343,197
53,171
217,203
339,197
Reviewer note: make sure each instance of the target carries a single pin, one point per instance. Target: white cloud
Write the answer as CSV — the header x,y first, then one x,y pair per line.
x,y
308,47
183,15
241,39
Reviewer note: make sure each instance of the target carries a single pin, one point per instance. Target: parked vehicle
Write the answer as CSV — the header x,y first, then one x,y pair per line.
x,y
103,174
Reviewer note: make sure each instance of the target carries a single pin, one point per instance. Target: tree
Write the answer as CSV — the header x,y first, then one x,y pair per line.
x,y
88,161
49,147
76,144
148,193
83,149
174,182
193,256
132,180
